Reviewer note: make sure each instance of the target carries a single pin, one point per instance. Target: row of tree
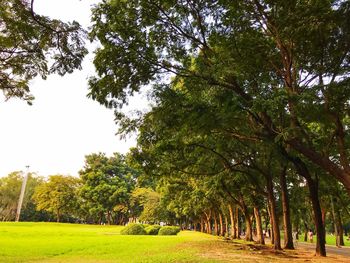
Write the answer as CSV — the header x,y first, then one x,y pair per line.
x,y
250,97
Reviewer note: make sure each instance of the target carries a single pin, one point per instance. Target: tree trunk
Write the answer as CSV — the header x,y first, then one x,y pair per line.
x,y
320,230
287,225
216,229
248,231
233,222
341,232
338,228
58,215
297,231
303,171
306,229
109,217
324,213
100,218
269,230
248,222
208,224
274,217
238,229
221,225
226,226
209,227
202,225
259,231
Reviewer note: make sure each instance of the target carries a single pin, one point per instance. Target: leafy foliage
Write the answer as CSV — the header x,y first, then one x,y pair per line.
x,y
106,184
133,229
32,45
169,231
10,187
152,229
58,195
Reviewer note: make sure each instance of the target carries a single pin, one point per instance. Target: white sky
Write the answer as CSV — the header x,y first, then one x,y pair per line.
x,y
63,125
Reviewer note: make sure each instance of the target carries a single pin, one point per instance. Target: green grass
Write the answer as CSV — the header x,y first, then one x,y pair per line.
x,y
330,240
52,242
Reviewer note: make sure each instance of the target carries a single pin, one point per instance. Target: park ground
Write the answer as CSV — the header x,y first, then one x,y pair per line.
x,y
52,242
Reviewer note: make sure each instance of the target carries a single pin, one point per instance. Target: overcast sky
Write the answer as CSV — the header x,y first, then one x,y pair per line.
x,y
63,125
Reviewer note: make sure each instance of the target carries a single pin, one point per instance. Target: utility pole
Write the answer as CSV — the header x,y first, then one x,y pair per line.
x,y
21,196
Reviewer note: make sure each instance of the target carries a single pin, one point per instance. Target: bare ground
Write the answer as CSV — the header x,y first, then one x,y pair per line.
x,y
233,251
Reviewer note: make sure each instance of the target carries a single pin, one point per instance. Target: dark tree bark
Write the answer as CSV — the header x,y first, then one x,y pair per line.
x,y
207,222
269,230
248,222
109,217
226,226
221,225
58,214
306,230
288,236
312,184
216,230
274,217
259,231
238,228
338,228
317,212
233,222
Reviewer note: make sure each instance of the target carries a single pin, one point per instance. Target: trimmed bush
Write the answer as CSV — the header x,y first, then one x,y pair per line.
x,y
133,229
169,231
152,230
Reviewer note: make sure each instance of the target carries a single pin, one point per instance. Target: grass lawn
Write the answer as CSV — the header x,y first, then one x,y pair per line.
x,y
330,240
52,242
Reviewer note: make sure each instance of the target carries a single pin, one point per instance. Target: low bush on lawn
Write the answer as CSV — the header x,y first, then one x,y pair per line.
x,y
152,230
169,231
133,229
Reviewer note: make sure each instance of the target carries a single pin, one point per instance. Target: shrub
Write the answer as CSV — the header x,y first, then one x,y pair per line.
x,y
152,229
169,231
133,229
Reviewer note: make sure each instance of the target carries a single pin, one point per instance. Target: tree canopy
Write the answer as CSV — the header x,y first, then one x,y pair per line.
x,y
35,45
246,91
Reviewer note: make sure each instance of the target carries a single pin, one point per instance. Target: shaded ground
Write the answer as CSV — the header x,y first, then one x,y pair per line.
x,y
237,251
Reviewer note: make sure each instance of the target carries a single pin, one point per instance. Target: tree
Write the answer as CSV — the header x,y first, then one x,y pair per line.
x,y
145,205
106,185
299,69
33,45
57,195
10,187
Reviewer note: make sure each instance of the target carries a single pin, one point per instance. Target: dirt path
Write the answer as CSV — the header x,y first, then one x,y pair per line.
x,y
236,251
342,251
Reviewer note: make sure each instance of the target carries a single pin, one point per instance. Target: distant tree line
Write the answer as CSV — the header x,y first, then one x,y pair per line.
x,y
108,191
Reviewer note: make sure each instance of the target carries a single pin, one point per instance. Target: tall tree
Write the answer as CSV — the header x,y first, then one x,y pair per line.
x,y
106,184
57,195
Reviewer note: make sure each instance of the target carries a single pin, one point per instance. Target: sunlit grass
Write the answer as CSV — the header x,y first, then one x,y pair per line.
x,y
51,242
